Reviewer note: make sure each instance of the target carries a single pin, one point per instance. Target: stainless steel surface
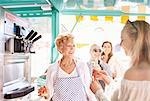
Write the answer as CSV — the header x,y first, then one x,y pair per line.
x,y
16,71
13,73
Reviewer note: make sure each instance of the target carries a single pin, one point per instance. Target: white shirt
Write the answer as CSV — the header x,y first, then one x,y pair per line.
x,y
132,91
118,66
83,71
128,91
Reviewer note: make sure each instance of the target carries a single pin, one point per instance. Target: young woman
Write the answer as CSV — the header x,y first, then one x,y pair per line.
x,y
117,67
135,85
107,53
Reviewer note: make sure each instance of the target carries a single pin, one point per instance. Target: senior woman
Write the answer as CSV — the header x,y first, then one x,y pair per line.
x,y
68,79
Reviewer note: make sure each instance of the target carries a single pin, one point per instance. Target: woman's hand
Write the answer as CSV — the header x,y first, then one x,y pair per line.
x,y
101,75
94,86
114,75
43,92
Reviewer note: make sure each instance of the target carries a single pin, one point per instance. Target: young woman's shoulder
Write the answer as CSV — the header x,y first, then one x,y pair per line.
x,y
137,74
112,59
129,74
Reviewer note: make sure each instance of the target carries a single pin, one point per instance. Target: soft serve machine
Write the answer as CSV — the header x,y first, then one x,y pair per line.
x,y
16,41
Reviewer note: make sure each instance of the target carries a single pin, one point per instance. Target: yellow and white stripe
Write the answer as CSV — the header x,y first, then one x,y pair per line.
x,y
140,8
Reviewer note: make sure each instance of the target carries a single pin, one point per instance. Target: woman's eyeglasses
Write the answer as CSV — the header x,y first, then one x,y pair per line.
x,y
133,25
96,50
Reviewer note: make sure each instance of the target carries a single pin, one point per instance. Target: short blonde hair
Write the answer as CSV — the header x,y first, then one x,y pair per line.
x,y
63,39
93,46
139,32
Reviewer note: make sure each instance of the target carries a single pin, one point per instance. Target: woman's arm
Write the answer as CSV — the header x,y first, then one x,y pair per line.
x,y
98,91
50,81
101,75
86,79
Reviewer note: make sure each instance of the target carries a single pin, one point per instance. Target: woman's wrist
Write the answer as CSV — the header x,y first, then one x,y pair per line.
x,y
99,92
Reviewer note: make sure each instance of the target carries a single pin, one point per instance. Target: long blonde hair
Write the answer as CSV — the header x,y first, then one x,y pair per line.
x,y
139,32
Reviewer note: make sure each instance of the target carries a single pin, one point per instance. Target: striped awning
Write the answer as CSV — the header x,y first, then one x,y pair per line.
x,y
106,7
139,9
121,19
102,3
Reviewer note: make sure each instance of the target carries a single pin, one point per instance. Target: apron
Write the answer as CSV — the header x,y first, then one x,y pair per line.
x,y
69,89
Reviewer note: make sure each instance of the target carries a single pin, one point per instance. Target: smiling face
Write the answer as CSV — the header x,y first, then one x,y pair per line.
x,y
68,49
95,51
65,44
107,48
